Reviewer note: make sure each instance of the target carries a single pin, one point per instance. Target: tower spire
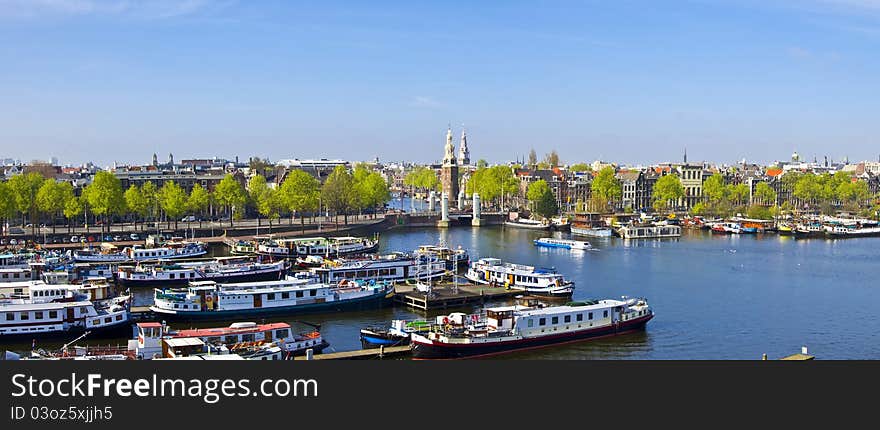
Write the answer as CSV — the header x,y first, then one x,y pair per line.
x,y
685,155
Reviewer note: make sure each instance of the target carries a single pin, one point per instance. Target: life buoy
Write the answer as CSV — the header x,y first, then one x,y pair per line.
x,y
445,320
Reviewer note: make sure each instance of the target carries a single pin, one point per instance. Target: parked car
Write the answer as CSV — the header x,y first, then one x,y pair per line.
x,y
91,239
134,236
13,241
117,238
74,239
188,218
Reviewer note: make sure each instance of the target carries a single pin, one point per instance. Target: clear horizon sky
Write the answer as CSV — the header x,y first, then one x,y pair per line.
x,y
625,81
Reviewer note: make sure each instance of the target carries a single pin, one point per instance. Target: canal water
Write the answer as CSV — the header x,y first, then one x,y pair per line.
x,y
714,296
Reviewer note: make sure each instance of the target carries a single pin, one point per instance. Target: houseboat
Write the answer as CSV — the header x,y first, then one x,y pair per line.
x,y
649,231
328,247
589,224
811,229
398,333
138,253
527,223
18,274
183,273
237,336
841,231
550,242
53,310
536,281
15,260
515,328
385,268
241,247
727,228
212,301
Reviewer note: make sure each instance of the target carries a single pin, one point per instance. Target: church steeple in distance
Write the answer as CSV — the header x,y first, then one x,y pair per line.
x,y
464,155
685,155
449,157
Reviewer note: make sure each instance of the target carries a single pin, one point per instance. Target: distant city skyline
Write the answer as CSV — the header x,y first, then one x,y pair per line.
x,y
632,82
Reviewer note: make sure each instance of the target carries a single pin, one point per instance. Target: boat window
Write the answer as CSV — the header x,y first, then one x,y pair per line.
x,y
579,317
24,316
10,316
247,337
567,319
285,295
231,339
38,315
605,314
542,321
170,276
590,315
118,317
280,334
270,296
383,272
531,322
313,292
299,293
192,275
108,320
362,273
555,320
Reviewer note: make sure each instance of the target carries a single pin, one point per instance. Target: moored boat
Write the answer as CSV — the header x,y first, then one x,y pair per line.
x,y
235,337
183,273
537,281
327,247
398,333
649,231
600,232
515,328
563,243
212,301
526,223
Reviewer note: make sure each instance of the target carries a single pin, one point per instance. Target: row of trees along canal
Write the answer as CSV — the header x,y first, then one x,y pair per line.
x,y
35,198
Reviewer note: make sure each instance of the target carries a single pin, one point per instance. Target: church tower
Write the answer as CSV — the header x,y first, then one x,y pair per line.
x,y
464,155
449,170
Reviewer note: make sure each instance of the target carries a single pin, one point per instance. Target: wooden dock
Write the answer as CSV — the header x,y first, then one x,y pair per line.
x,y
449,295
362,354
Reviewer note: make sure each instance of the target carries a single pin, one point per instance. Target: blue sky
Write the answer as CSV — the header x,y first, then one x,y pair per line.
x,y
624,81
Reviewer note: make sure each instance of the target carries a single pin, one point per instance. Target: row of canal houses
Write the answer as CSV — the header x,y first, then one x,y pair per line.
x,y
637,182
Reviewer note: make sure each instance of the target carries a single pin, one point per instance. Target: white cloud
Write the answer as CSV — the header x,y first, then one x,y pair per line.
x,y
424,102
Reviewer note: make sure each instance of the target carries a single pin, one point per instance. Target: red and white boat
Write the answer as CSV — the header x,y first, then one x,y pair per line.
x,y
152,338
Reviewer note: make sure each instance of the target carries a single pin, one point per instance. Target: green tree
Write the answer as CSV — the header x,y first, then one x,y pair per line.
x,y
230,194
759,212
373,191
579,167
24,188
765,194
198,201
737,194
300,192
137,203
714,189
7,203
264,198
105,197
482,163
51,198
667,189
606,187
173,200
338,192
72,209
151,196
542,199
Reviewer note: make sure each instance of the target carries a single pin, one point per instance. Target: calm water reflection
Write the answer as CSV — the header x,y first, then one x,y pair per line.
x,y
715,297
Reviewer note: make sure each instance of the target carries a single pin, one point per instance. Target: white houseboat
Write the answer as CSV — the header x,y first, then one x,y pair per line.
x,y
537,281
331,246
385,268
513,328
183,273
549,242
649,231
47,310
138,253
210,300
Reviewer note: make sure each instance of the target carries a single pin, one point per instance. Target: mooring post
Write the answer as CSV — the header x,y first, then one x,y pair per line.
x,y
309,354
381,351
